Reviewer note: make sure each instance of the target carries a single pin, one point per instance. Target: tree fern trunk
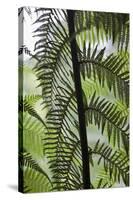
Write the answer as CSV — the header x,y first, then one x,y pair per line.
x,y
81,114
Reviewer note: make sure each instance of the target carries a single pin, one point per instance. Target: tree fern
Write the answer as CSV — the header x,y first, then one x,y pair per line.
x,y
71,44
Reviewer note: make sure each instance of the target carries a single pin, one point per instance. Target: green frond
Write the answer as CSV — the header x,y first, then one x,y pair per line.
x,y
107,70
103,180
49,143
109,120
26,189
35,181
27,104
26,160
116,163
32,99
62,144
102,26
90,85
31,134
54,52
122,108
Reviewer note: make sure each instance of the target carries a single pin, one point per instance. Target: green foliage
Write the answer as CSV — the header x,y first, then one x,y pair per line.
x,y
31,151
103,180
52,52
107,71
27,161
27,104
109,119
50,156
34,181
115,163
62,144
102,26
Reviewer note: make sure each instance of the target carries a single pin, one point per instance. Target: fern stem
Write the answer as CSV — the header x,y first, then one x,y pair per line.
x,y
81,114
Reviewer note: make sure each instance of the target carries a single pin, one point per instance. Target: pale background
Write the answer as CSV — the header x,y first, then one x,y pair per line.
x,y
8,98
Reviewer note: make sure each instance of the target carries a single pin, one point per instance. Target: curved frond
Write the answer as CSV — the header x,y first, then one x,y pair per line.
x,y
31,134
115,162
54,52
103,180
27,104
34,181
107,70
109,120
62,143
26,160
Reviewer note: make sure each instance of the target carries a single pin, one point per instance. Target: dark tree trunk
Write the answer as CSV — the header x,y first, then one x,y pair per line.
x,y
81,114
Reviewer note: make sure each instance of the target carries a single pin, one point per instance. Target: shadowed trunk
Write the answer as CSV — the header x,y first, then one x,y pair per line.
x,y
81,114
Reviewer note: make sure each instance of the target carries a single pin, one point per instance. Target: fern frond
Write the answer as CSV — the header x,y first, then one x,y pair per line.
x,y
109,120
61,143
108,71
54,51
116,163
32,99
31,133
122,108
26,160
35,181
54,144
97,26
27,104
103,179
26,188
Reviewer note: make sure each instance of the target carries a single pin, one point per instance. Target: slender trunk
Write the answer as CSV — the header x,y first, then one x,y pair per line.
x,y
81,114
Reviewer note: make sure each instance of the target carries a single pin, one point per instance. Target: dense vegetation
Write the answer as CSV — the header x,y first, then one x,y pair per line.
x,y
66,129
